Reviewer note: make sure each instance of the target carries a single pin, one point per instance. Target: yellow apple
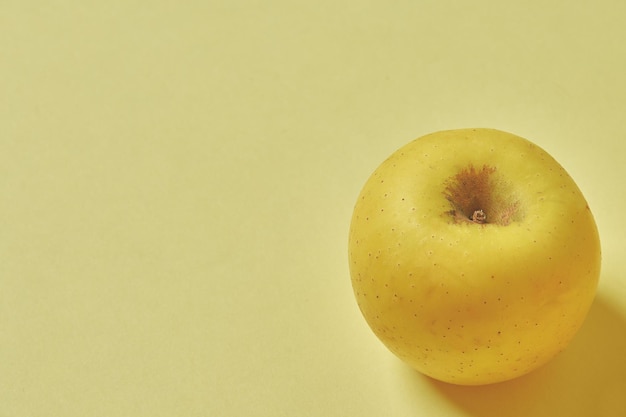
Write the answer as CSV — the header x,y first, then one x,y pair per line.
x,y
473,255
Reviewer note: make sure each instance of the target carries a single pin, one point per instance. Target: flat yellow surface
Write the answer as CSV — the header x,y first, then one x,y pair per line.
x,y
177,179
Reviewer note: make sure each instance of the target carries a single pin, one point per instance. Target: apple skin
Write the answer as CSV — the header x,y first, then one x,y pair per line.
x,y
463,302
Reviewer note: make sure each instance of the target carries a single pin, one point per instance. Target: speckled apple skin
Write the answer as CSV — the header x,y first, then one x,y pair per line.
x,y
466,303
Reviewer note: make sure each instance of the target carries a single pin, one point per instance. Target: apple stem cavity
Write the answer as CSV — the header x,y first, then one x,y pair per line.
x,y
478,196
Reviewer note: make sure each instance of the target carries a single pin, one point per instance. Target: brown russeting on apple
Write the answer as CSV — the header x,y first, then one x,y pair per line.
x,y
479,196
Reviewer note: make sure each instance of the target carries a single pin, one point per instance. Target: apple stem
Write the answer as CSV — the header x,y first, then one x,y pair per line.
x,y
479,217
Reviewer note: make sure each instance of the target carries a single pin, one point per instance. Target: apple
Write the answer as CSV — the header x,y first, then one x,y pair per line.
x,y
473,255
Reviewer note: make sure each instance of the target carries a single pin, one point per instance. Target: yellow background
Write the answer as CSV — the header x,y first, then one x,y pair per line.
x,y
177,179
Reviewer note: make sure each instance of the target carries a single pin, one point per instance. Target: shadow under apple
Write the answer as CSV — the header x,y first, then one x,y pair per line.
x,y
586,379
